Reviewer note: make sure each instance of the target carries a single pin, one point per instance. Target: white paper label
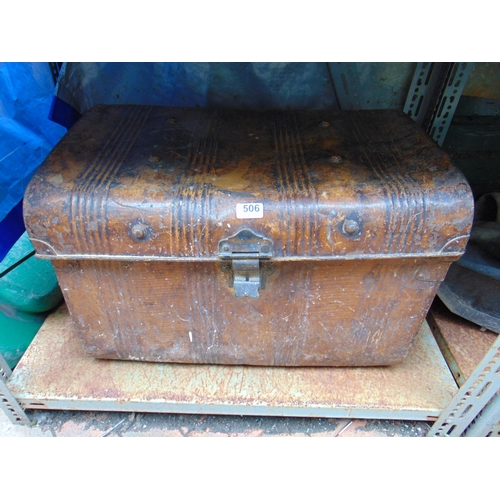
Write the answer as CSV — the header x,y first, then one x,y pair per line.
x,y
249,210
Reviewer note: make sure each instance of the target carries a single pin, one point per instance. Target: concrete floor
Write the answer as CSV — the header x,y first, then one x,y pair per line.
x,y
50,423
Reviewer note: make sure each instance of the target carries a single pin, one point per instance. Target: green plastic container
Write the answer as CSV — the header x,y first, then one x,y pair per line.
x,y
27,294
17,330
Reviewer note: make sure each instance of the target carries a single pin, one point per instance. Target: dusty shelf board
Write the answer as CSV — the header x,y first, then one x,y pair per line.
x,y
463,343
55,374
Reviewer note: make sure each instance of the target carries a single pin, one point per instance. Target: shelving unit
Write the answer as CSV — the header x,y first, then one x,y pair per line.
x,y
474,358
417,389
451,378
421,388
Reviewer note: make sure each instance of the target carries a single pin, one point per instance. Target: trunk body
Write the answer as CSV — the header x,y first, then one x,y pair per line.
x,y
245,237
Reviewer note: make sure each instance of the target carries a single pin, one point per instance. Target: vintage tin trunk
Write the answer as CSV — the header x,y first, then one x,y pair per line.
x,y
246,237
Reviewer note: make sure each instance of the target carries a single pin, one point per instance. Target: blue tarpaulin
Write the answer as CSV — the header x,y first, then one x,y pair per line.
x,y
26,137
242,85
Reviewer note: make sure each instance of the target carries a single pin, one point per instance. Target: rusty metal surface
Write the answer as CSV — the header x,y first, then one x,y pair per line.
x,y
54,373
463,343
484,81
312,314
363,211
179,173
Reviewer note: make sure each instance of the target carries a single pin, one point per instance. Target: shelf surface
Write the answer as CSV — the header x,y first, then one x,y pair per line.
x,y
463,343
55,374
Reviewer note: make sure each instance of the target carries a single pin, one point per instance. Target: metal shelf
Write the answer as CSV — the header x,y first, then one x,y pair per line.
x,y
474,358
55,374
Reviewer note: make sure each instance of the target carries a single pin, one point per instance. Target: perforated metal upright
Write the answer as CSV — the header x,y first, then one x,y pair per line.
x,y
475,410
8,403
434,95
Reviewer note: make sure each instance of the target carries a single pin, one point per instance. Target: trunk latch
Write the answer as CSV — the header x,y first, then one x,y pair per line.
x,y
245,250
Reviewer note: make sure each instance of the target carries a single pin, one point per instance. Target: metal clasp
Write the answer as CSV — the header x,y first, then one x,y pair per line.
x,y
245,250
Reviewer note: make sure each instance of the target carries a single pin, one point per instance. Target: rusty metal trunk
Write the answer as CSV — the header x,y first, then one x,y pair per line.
x,y
246,237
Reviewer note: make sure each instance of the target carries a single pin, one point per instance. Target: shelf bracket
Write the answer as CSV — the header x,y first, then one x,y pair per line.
x,y
8,403
434,95
479,389
488,421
